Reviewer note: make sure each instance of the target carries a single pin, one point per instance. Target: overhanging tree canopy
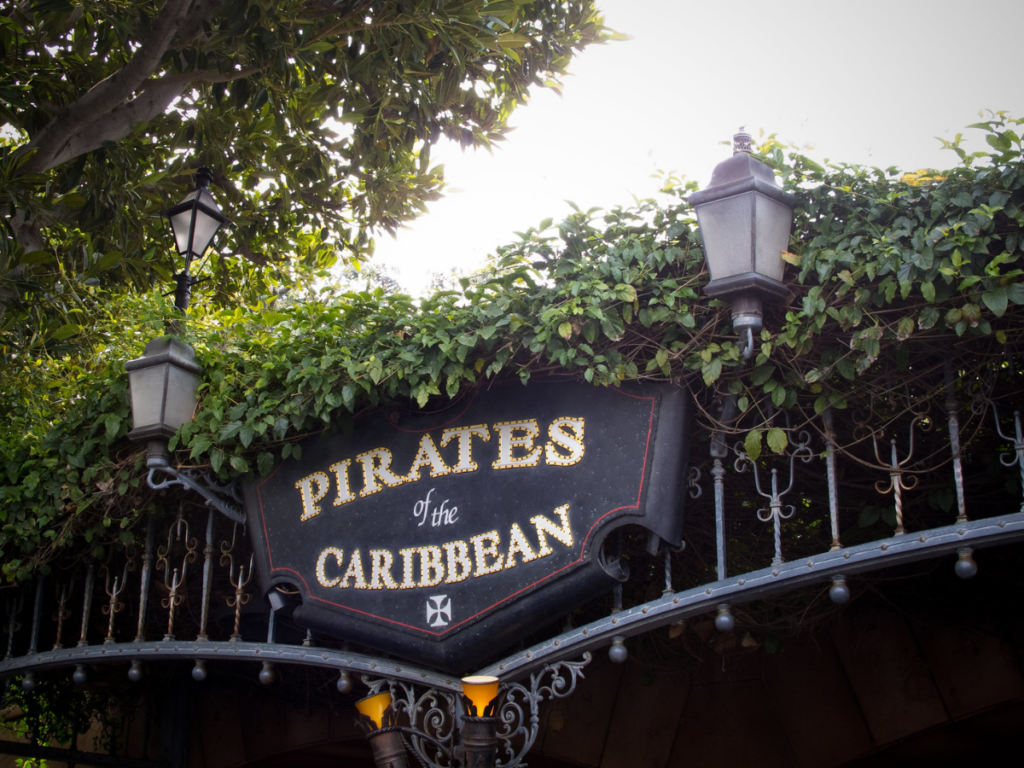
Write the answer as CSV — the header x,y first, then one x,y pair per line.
x,y
316,116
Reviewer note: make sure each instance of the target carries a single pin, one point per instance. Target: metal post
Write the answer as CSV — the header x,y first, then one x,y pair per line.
x,y
718,474
62,611
90,579
14,606
147,571
37,609
720,450
207,577
954,443
833,487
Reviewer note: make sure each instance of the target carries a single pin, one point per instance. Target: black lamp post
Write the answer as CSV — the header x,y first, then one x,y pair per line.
x,y
195,221
744,220
165,380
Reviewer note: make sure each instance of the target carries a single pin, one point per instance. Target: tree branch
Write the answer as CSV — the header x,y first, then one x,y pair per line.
x,y
117,123
109,95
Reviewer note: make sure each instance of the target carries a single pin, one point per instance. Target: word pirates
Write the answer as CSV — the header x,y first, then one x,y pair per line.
x,y
515,445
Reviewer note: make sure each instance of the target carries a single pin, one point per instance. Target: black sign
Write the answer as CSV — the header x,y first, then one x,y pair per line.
x,y
446,537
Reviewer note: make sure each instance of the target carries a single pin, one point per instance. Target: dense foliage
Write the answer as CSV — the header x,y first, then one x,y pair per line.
x,y
891,274
317,118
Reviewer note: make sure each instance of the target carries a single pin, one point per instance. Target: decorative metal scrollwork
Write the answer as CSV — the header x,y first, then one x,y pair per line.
x,y
239,581
1017,457
435,716
114,604
897,482
204,485
774,511
693,483
174,579
553,681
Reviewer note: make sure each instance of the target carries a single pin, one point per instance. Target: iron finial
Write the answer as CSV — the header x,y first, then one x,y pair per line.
x,y
742,142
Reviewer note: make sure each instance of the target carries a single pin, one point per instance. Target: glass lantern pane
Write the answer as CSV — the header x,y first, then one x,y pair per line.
x,y
725,226
179,225
774,221
181,397
147,385
206,228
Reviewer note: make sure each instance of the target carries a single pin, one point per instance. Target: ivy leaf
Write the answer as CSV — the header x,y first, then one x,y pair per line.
x,y
929,317
752,444
113,424
239,464
265,463
779,396
565,330
1015,293
928,291
245,435
761,374
200,445
777,439
869,516
216,460
711,371
996,301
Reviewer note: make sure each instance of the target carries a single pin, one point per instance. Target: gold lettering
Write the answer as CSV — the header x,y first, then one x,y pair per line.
x,y
509,441
545,527
321,563
408,582
465,436
427,455
377,464
311,497
517,544
483,552
459,564
431,567
354,572
380,569
340,471
572,443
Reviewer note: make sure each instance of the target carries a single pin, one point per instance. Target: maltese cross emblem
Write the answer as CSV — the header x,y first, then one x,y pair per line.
x,y
439,611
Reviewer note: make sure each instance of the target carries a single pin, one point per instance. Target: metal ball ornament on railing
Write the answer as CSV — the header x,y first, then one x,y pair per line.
x,y
965,566
199,671
344,684
839,592
618,653
725,621
135,674
80,676
28,681
267,674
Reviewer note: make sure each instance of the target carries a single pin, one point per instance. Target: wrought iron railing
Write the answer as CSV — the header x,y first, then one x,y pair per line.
x,y
927,472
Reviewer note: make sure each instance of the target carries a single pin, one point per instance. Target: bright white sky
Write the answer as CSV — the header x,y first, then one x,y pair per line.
x,y
862,81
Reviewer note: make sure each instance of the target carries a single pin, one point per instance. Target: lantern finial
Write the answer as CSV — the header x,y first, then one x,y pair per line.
x,y
742,142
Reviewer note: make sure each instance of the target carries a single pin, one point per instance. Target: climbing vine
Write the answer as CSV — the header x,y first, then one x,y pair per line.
x,y
884,266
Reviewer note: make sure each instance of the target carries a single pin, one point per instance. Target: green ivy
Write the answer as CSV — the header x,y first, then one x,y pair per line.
x,y
882,263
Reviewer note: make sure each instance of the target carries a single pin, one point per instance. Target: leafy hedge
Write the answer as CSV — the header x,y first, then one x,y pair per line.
x,y
884,265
